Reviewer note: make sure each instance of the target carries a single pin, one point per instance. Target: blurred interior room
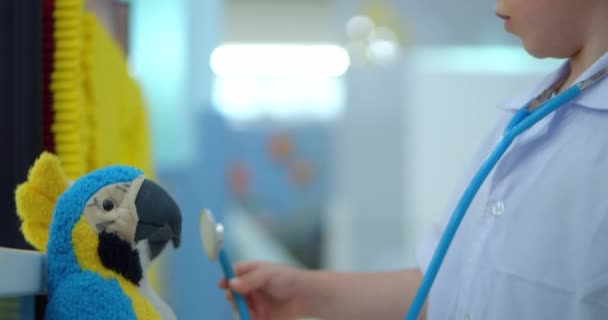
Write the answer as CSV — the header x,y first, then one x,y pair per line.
x,y
327,134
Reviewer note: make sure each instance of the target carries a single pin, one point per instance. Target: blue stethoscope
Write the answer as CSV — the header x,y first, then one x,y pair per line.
x,y
521,121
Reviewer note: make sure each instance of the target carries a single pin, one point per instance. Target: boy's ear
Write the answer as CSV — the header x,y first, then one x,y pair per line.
x,y
35,199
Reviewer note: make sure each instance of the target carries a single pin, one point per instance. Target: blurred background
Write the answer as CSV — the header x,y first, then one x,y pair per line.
x,y
322,133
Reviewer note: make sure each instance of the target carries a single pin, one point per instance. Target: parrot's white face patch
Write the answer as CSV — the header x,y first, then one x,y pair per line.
x,y
112,209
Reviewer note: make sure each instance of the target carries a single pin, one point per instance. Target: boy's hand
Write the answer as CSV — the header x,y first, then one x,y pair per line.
x,y
271,290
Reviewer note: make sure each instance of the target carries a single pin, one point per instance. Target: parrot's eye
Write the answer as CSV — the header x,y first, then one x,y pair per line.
x,y
107,205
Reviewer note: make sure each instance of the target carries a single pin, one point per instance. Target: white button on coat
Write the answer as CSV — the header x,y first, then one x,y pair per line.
x,y
498,207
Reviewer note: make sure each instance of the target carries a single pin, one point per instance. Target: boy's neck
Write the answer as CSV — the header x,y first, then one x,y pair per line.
x,y
580,62
590,52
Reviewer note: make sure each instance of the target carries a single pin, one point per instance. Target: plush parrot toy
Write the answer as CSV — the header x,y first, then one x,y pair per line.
x,y
100,233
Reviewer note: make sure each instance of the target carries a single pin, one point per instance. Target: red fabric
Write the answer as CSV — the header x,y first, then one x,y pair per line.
x,y
48,48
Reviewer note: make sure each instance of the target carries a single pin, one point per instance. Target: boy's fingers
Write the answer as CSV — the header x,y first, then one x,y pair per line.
x,y
244,267
222,284
250,303
262,310
249,281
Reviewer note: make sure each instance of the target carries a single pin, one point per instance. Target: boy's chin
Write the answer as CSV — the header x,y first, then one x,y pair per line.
x,y
536,53
541,50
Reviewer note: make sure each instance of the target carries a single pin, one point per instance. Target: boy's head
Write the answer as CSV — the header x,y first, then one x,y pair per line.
x,y
553,28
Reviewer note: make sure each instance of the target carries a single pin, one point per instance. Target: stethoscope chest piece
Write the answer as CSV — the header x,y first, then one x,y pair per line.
x,y
212,234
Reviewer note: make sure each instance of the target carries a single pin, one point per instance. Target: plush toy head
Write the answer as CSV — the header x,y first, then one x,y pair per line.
x,y
90,230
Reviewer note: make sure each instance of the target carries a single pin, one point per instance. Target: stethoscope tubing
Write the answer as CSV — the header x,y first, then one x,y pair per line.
x,y
521,121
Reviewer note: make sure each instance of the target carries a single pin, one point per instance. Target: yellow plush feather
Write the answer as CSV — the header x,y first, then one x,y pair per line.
x,y
36,198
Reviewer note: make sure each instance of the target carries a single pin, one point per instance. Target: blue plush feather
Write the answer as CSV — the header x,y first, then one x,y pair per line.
x,y
75,293
87,296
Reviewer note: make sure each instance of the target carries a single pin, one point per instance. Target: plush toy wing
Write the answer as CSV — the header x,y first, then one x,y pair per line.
x,y
87,296
36,198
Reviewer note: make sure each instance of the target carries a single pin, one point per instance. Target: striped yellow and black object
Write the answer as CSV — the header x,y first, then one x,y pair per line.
x,y
94,113
93,109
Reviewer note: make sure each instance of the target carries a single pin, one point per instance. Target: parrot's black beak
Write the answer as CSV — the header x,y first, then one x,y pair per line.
x,y
160,219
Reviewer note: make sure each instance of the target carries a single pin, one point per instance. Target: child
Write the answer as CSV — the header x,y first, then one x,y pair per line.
x,y
534,242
